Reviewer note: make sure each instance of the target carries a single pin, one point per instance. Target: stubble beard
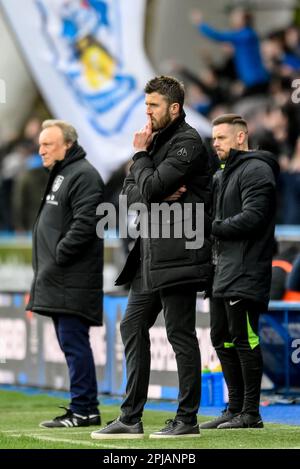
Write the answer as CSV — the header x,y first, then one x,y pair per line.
x,y
162,123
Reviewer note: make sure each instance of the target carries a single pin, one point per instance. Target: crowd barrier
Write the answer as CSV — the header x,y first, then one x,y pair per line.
x,y
30,355
280,343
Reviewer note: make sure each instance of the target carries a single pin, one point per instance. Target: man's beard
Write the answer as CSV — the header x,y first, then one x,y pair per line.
x,y
162,123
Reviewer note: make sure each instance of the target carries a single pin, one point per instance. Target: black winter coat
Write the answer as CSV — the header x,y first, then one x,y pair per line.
x,y
244,226
67,254
177,156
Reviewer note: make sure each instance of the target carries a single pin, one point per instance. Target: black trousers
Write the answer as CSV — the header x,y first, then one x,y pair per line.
x,y
178,304
234,334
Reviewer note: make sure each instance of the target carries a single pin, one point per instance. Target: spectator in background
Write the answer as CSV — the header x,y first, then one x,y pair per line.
x,y
28,190
32,129
248,61
290,189
281,52
292,44
293,283
205,90
282,265
68,264
12,165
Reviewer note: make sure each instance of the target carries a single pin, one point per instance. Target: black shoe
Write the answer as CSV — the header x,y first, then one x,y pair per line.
x,y
177,428
224,417
71,419
243,421
119,430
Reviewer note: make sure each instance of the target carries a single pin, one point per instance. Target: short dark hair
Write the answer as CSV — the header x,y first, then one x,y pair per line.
x,y
169,87
231,119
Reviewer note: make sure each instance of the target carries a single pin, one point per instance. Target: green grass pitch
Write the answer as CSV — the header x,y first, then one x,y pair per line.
x,y
21,414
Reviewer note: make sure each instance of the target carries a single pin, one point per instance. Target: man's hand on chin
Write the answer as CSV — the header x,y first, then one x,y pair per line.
x,y
143,138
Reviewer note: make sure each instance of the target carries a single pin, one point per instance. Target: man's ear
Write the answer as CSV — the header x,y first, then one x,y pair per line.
x,y
174,109
241,137
69,144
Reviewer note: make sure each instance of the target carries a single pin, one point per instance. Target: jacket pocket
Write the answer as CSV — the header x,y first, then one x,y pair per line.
x,y
49,237
231,256
168,241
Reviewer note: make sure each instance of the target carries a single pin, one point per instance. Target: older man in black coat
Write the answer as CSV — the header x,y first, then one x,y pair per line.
x,y
68,264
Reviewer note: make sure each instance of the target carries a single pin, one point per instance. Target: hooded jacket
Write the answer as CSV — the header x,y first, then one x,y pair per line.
x,y
244,226
67,254
176,156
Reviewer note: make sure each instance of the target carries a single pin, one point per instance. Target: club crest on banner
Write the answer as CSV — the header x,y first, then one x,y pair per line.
x,y
86,43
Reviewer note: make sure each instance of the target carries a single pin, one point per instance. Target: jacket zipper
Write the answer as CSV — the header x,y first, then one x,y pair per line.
x,y
36,267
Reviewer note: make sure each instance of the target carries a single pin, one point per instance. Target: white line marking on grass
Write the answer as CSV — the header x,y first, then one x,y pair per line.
x,y
63,433
14,431
43,431
66,440
73,442
17,412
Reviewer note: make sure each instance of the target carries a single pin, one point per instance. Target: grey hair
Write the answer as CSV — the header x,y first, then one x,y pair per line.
x,y
69,132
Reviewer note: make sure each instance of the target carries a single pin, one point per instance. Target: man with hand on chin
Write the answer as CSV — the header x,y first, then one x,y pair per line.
x,y
170,164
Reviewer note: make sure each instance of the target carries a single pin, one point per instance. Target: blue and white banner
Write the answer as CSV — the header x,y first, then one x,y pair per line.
x,y
88,60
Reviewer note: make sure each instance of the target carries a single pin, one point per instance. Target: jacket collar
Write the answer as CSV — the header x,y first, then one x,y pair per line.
x,y
165,133
74,153
238,157
235,158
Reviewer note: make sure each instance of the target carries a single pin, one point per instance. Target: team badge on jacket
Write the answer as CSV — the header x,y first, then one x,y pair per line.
x,y
57,183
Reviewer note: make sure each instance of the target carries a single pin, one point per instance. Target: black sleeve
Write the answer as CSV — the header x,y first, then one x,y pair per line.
x,y
257,186
85,194
155,184
131,190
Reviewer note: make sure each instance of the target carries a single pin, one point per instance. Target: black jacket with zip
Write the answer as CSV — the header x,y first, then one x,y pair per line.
x,y
67,254
244,226
176,156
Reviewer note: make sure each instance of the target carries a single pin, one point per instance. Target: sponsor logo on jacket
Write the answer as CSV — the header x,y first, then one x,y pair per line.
x,y
50,199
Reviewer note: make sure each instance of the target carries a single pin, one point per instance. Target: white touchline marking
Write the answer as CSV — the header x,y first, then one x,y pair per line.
x,y
66,440
44,431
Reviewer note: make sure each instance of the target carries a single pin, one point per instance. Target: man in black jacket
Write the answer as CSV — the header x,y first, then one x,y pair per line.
x,y
68,264
244,232
170,164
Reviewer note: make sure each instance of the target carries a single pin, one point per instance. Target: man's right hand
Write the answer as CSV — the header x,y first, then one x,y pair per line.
x,y
143,138
176,195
